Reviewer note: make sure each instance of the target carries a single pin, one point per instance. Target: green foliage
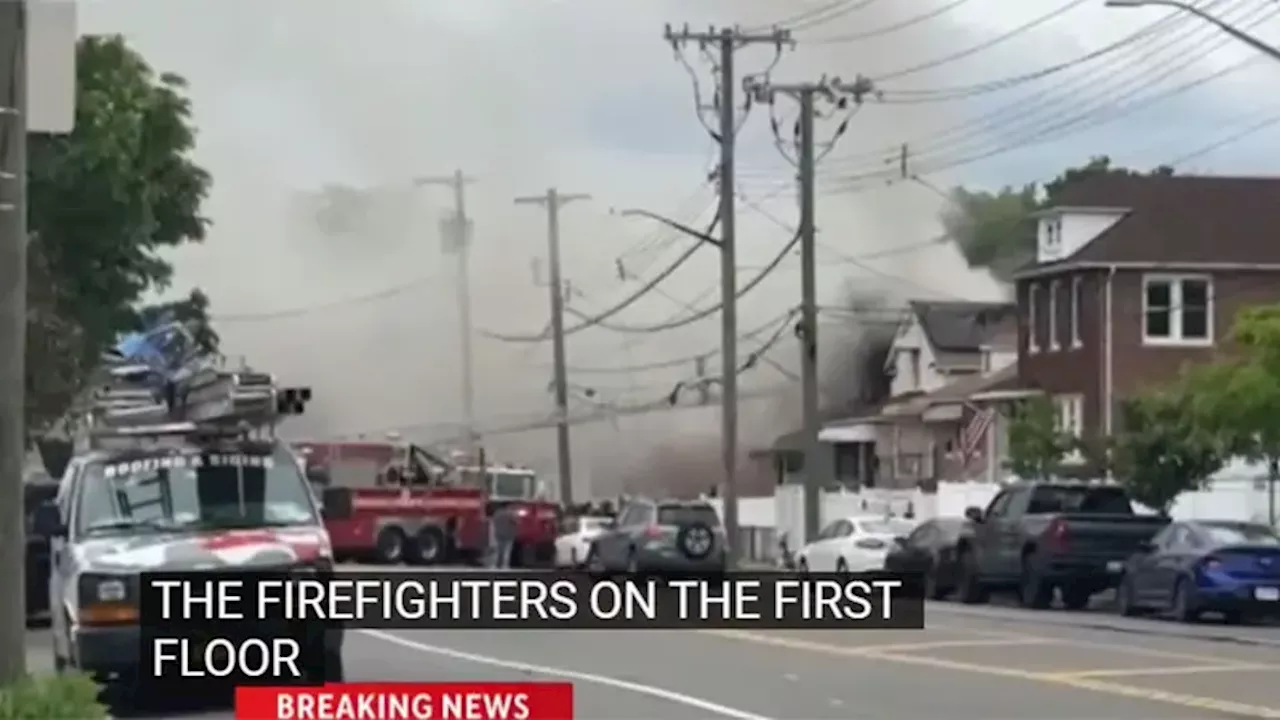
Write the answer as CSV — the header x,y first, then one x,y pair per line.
x,y
997,230
1240,394
1037,444
105,201
1166,448
43,697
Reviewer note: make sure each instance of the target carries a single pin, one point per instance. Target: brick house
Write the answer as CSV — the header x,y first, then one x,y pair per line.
x,y
1134,277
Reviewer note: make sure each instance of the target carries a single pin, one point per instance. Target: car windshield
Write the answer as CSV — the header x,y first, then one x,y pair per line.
x,y
194,489
687,514
1241,535
887,527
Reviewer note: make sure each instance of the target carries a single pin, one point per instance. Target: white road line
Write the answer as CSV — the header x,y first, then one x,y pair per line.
x,y
638,688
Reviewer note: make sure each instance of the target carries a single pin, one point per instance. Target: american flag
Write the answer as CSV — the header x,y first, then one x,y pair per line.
x,y
974,432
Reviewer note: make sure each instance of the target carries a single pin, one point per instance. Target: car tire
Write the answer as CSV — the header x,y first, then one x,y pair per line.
x,y
1183,608
969,587
1033,592
389,546
1126,603
593,562
932,591
427,547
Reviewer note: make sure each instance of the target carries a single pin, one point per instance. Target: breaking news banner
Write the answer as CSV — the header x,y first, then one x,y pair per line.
x,y
257,629
408,701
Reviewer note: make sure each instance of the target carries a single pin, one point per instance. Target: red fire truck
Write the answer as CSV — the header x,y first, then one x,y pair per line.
x,y
395,502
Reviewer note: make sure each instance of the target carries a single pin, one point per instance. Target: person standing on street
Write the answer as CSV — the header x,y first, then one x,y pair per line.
x,y
504,537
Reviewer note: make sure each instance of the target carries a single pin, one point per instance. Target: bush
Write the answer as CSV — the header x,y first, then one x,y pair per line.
x,y
43,697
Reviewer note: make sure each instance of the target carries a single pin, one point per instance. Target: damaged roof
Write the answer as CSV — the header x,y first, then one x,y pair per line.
x,y
962,326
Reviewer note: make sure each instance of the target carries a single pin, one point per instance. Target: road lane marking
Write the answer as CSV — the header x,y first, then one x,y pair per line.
x,y
1243,710
1180,670
1202,658
616,683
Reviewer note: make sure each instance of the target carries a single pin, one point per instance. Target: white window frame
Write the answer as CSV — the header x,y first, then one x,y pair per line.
x,y
1175,337
1077,312
1032,344
1054,286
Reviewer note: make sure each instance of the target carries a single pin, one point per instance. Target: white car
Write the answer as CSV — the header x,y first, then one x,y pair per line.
x,y
575,540
853,544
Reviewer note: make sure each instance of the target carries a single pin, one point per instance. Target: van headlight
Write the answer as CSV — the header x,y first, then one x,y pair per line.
x,y
111,590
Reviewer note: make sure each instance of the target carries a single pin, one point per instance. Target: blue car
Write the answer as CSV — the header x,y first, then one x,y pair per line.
x,y
1197,567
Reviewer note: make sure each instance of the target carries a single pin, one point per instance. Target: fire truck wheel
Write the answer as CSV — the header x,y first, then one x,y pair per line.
x,y
390,545
428,547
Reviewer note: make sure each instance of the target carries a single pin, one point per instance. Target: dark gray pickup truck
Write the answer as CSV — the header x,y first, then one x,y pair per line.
x,y
1038,537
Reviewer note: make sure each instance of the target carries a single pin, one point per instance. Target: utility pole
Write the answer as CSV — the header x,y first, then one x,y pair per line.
x,y
13,336
553,200
728,40
456,233
816,465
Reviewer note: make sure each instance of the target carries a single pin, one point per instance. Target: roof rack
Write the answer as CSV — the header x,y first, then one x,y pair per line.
x,y
150,395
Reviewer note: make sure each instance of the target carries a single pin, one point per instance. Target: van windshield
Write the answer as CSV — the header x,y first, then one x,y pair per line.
x,y
194,489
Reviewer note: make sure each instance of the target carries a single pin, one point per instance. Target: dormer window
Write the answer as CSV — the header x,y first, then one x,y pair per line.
x,y
1053,233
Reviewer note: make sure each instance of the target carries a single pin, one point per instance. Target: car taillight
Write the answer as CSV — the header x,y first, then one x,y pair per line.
x,y
653,531
1057,534
870,544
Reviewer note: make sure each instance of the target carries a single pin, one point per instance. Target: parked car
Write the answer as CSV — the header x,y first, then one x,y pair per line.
x,y
1038,537
931,550
661,536
576,536
853,544
1197,567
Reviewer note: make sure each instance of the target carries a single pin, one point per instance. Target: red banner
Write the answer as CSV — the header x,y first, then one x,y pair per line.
x,y
408,701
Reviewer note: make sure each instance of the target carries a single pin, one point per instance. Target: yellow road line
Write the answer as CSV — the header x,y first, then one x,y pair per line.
x,y
1208,659
1076,682
1181,670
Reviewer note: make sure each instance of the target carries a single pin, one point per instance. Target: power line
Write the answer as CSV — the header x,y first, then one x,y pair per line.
x,y
1103,110
980,47
617,308
1068,91
888,29
908,96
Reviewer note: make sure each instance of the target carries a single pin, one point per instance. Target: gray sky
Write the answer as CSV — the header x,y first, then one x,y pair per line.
x,y
297,94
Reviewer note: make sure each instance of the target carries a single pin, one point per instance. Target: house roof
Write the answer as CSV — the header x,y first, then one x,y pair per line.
x,y
1185,219
961,326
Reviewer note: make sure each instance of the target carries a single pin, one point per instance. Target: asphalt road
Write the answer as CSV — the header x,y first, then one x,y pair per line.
x,y
978,663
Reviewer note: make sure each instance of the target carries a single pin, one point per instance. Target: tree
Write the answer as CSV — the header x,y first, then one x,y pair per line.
x,y
1165,448
104,202
998,230
1037,443
995,230
1239,395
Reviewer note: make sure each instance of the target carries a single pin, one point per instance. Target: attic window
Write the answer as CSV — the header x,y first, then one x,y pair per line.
x,y
1052,232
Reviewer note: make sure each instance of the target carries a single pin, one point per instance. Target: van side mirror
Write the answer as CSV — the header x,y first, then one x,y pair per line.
x,y
335,503
46,521
973,514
